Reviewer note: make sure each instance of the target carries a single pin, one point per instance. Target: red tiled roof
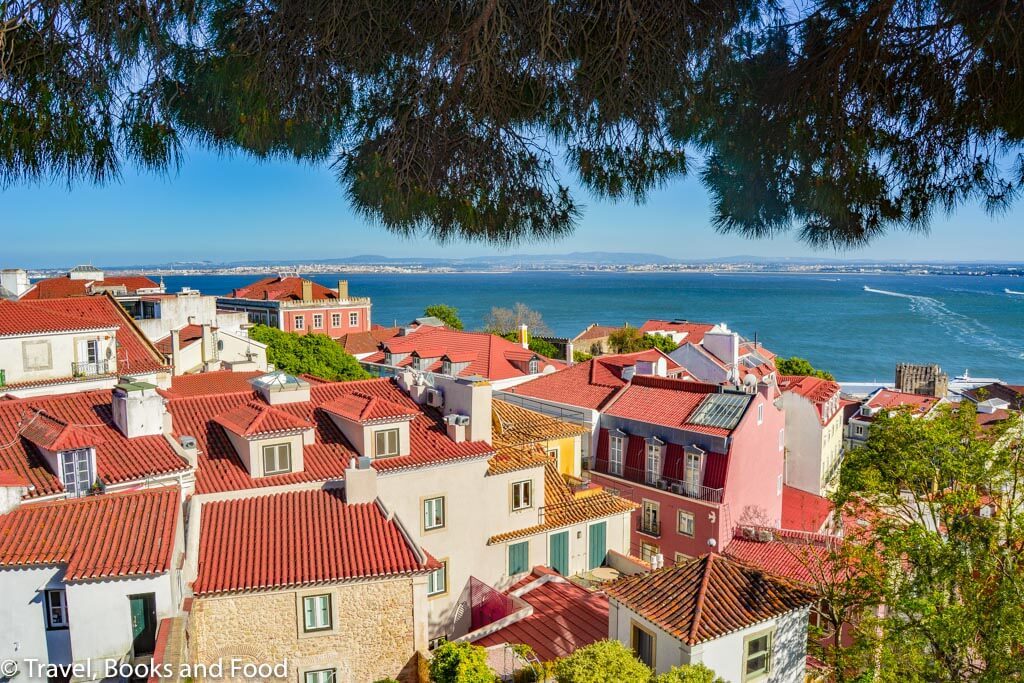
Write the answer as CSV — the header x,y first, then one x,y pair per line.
x,y
816,390
664,401
204,383
694,331
256,417
707,597
220,468
590,384
282,289
17,317
299,538
118,459
565,617
366,342
799,557
107,536
366,409
187,335
595,331
63,287
491,356
803,511
889,399
54,434
136,355
12,478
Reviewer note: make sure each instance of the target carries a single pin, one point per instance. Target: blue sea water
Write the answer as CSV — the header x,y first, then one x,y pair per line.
x,y
959,322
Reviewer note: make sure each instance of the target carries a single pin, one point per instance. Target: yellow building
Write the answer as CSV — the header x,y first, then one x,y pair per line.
x,y
516,427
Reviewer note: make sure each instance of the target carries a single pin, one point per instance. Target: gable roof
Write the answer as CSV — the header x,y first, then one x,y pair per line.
x,y
803,558
1011,393
680,404
113,535
512,425
55,434
118,458
281,289
366,409
707,597
366,342
595,331
257,418
890,399
18,318
565,616
592,383
804,511
299,538
488,355
64,287
217,382
220,468
187,335
694,331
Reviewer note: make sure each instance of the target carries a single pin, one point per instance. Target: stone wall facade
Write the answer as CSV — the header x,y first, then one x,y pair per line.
x,y
372,634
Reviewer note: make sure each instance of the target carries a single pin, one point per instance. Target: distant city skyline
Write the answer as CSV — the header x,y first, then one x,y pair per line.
x,y
224,208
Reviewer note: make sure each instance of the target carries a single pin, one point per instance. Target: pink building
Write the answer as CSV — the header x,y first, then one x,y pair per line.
x,y
698,458
295,304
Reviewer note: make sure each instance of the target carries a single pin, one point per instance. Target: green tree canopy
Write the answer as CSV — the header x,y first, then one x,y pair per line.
x,y
943,504
606,661
502,321
449,315
460,663
794,365
689,673
456,119
630,339
314,354
537,345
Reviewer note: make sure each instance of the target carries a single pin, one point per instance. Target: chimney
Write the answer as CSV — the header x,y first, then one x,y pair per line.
x,y
15,281
524,336
307,290
138,409
456,427
176,353
342,289
569,352
13,487
360,481
209,344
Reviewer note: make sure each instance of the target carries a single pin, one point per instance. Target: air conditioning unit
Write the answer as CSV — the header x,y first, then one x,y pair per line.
x,y
187,441
868,411
435,398
461,420
676,487
765,536
749,533
662,484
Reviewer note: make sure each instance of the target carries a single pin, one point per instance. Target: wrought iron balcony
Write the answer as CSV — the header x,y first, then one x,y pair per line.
x,y
91,369
649,527
639,475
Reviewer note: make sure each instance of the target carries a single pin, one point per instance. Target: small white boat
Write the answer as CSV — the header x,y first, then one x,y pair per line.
x,y
1011,291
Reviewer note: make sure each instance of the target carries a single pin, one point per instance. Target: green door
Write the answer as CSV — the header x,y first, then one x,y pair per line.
x,y
598,544
558,552
143,609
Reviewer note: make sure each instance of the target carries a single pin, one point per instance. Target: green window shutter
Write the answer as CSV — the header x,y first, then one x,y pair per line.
x,y
518,558
598,544
558,556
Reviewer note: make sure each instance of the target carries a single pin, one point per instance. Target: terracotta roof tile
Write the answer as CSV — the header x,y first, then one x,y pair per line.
x,y
366,409
282,289
205,383
804,511
563,507
694,331
17,317
54,434
565,617
513,425
63,287
187,335
516,458
707,597
366,342
595,332
666,402
299,538
256,417
112,535
799,557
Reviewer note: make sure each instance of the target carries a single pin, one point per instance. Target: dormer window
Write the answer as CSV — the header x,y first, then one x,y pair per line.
x,y
653,468
77,471
691,470
446,367
386,443
616,451
376,427
268,440
534,366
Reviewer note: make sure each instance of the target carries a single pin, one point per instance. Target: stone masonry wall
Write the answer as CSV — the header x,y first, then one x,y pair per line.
x,y
372,635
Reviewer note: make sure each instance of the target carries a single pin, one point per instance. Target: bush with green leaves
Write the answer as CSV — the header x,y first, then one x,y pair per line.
x,y
606,661
689,673
794,365
460,663
313,354
449,315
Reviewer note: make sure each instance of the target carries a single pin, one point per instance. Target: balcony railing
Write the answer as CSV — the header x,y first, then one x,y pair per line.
x,y
90,369
679,487
649,527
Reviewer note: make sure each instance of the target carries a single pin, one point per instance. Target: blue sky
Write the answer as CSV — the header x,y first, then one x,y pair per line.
x,y
224,208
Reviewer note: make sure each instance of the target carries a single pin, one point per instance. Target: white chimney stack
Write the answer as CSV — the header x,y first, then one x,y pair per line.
x,y
138,409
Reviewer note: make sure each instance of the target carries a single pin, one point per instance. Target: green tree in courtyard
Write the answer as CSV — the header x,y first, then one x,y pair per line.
x,y
449,315
314,354
629,339
689,673
606,661
460,663
942,502
794,365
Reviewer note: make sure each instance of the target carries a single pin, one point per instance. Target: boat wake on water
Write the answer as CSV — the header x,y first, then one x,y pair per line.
x,y
1011,291
962,327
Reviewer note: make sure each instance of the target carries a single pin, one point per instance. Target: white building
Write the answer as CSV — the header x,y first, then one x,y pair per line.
x,y
78,590
206,348
738,621
814,433
888,401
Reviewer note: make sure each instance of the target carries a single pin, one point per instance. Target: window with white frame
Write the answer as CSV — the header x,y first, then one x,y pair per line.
x,y
77,471
615,447
318,321
316,613
651,521
56,609
433,513
648,551
385,443
335,319
757,655
534,366
691,472
522,495
685,523
760,413
653,463
300,322
320,676
277,459
353,319
437,580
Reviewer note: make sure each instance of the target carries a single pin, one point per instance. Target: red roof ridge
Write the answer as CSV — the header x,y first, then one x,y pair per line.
x,y
701,594
676,384
256,417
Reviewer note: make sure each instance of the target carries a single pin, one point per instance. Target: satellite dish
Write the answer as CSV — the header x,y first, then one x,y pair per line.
x,y
750,380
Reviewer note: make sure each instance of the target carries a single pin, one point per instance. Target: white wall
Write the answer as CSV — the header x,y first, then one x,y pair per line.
x,y
23,633
178,311
62,354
